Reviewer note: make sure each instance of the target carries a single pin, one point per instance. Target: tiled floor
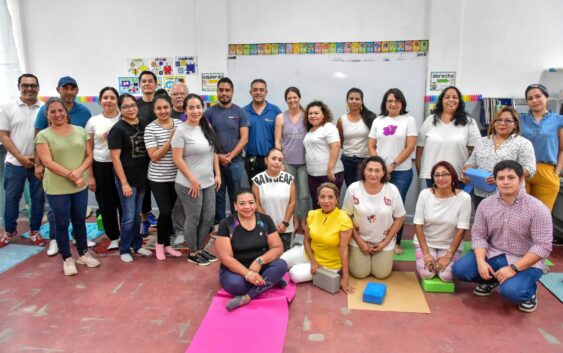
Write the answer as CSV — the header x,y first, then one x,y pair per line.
x,y
156,306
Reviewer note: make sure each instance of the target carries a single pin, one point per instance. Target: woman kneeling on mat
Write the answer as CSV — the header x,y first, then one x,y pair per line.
x,y
327,233
440,221
377,209
249,248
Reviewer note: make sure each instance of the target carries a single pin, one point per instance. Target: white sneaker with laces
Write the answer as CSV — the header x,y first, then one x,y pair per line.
x,y
144,252
88,260
126,258
53,248
69,267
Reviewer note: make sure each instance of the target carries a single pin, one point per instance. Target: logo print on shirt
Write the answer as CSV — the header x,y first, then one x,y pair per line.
x,y
355,200
371,218
389,130
387,201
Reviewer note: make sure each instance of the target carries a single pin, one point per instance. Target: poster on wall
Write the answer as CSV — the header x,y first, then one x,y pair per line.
x,y
439,80
161,65
169,80
185,65
209,81
136,66
129,85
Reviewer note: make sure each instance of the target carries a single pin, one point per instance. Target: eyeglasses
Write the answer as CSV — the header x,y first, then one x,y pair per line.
x,y
29,86
178,94
392,101
127,107
504,121
443,175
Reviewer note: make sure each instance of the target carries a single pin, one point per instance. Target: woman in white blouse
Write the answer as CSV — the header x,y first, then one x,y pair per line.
x,y
503,141
440,221
322,149
376,207
449,134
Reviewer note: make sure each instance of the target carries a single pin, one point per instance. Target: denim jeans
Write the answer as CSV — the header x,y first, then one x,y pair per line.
x,y
351,166
70,208
402,180
517,289
3,153
231,177
299,172
14,182
131,218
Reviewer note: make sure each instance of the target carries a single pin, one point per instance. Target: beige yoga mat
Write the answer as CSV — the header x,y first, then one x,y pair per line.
x,y
404,294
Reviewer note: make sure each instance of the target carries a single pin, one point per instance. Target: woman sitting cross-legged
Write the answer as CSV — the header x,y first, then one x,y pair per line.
x,y
440,221
249,248
327,233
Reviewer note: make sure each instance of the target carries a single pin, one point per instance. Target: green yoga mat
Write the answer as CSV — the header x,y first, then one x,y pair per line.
x,y
409,255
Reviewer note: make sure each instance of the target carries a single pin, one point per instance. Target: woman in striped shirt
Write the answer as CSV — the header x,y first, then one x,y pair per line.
x,y
162,171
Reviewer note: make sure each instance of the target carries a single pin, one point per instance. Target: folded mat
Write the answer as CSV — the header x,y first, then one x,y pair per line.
x,y
14,254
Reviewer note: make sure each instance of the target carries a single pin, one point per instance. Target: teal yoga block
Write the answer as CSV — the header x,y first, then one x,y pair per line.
x,y
436,285
374,293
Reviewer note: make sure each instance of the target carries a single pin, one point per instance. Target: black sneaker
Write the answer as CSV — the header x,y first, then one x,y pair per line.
x,y
484,290
210,257
198,259
530,305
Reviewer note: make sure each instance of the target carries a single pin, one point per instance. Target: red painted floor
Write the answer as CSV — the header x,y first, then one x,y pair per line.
x,y
156,306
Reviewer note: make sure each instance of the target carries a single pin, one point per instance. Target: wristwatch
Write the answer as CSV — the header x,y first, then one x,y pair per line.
x,y
285,223
259,261
514,268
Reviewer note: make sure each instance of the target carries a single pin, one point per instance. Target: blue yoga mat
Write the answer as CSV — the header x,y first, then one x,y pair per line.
x,y
14,254
92,231
553,281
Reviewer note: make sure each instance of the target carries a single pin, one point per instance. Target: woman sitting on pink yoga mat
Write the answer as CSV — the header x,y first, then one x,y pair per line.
x,y
249,248
327,233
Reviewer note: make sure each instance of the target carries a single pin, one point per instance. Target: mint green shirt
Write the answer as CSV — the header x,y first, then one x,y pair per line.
x,y
69,151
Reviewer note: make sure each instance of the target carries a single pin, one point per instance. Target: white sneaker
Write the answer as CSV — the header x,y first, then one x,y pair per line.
x,y
91,243
114,245
88,212
126,258
88,260
53,248
144,252
69,267
179,240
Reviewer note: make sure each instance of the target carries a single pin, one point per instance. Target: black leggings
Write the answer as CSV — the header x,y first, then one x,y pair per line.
x,y
107,198
165,196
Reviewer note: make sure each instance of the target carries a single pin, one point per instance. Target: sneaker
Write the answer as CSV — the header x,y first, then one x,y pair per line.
x,y
53,248
88,260
529,306
88,212
144,252
198,259
152,219
484,290
210,257
114,245
36,239
91,243
69,267
145,231
6,237
179,240
126,257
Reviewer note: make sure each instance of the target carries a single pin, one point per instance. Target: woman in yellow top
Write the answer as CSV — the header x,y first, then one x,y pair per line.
x,y
327,233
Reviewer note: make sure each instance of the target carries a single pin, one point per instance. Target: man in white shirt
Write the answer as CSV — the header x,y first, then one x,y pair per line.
x,y
17,120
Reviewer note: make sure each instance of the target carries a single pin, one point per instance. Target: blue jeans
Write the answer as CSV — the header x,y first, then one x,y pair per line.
x,y
351,166
235,284
402,180
130,218
70,208
14,182
518,289
231,177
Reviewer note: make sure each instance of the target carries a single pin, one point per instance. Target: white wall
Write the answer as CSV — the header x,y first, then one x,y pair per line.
x,y
496,47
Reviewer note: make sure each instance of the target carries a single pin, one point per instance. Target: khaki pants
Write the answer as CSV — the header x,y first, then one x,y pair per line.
x,y
379,264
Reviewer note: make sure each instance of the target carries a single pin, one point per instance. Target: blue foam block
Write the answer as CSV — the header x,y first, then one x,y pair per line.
x,y
374,293
478,178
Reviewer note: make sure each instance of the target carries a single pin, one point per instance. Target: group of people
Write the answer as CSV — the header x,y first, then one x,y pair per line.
x,y
189,159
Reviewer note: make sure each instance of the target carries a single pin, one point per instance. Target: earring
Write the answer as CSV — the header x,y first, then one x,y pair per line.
x,y
361,108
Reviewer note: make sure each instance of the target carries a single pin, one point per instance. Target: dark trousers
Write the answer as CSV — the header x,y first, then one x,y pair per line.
x,y
402,180
147,200
351,169
107,198
254,165
165,196
235,284
315,181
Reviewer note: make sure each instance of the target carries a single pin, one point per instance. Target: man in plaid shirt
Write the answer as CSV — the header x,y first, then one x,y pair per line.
x,y
511,237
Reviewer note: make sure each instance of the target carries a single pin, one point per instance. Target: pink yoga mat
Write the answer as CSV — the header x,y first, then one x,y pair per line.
x,y
259,326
